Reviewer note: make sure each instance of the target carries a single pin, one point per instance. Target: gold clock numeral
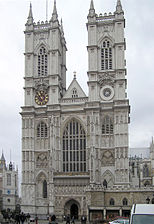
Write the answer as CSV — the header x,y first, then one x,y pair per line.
x,y
41,98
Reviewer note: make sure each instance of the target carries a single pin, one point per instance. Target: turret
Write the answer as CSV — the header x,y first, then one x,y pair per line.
x,y
92,15
54,18
119,10
2,162
30,16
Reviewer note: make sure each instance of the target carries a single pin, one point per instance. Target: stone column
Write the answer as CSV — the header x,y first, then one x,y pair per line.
x,y
104,213
120,212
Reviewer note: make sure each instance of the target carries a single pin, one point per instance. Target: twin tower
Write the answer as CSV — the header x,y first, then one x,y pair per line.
x,y
73,144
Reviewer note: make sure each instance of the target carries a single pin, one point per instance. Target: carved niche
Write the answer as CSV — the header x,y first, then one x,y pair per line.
x,y
41,160
107,157
106,79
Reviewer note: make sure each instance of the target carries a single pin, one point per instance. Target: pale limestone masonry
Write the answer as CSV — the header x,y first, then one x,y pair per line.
x,y
75,147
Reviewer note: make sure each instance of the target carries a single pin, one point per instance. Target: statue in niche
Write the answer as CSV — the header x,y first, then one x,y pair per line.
x,y
41,160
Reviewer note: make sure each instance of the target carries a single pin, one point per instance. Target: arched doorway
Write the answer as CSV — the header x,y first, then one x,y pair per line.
x,y
74,211
72,208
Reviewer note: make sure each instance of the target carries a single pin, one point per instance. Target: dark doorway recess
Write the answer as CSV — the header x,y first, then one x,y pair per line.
x,y
74,211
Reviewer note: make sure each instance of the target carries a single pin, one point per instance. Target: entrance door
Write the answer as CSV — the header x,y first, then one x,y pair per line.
x,y
74,211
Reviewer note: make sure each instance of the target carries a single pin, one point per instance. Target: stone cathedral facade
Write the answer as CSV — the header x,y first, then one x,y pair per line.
x,y
75,147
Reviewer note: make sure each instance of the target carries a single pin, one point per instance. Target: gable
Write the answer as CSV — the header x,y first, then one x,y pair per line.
x,y
74,91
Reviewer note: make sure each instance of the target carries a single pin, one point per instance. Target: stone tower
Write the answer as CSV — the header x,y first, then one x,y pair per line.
x,y
74,146
45,84
107,87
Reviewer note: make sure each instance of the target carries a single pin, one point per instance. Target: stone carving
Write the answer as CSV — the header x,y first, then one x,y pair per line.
x,y
109,177
107,157
41,160
106,79
41,85
107,141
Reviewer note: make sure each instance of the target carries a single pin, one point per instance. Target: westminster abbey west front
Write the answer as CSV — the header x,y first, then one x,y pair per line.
x,y
75,147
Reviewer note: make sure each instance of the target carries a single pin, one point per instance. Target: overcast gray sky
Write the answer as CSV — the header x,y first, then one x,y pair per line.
x,y
139,35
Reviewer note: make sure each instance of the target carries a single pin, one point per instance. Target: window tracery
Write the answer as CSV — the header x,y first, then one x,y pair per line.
x,y
42,130
74,147
107,126
42,62
44,189
145,171
106,55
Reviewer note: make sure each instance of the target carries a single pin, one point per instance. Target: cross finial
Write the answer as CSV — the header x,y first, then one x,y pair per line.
x,y
74,75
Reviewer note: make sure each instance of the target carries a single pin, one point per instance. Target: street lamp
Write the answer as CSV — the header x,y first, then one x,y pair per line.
x,y
148,200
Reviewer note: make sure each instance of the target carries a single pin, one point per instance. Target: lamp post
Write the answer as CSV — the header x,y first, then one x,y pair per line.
x,y
147,200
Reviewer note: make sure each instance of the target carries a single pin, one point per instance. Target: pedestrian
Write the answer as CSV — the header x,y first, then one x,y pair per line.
x,y
36,219
73,220
68,219
28,217
17,218
22,218
83,219
52,219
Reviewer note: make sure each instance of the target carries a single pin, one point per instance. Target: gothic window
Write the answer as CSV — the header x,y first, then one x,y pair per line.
x,y
111,201
106,55
74,147
42,62
125,202
145,171
74,93
44,189
42,130
8,179
107,126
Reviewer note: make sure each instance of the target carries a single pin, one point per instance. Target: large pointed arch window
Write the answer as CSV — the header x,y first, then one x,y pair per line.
x,y
74,147
42,131
106,55
107,126
42,62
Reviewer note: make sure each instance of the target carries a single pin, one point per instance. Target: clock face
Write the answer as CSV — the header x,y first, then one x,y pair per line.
x,y
107,92
41,98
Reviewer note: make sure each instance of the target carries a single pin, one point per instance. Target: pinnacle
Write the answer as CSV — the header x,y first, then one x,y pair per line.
x,y
30,16
92,5
119,6
30,12
54,14
55,8
92,9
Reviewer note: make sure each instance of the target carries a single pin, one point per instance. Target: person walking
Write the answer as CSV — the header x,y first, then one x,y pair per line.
x,y
68,219
36,219
22,218
72,220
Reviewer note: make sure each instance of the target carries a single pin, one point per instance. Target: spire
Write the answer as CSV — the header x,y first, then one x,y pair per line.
x,y
2,161
119,6
54,14
2,157
30,16
92,5
92,13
